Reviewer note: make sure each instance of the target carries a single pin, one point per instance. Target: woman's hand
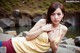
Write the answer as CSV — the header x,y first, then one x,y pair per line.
x,y
51,35
47,27
53,46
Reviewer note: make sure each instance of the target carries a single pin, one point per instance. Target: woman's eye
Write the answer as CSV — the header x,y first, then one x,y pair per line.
x,y
53,14
58,13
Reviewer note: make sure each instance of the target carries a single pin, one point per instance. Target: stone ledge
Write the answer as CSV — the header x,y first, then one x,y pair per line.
x,y
2,49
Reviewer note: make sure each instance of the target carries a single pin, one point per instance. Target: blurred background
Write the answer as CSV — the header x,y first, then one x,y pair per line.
x,y
21,15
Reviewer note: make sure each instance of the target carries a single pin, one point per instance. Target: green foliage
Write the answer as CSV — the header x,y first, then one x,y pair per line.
x,y
34,5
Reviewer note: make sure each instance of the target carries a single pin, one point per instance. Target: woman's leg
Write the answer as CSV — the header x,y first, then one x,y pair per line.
x,y
9,46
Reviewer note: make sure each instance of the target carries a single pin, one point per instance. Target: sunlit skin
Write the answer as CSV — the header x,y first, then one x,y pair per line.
x,y
56,17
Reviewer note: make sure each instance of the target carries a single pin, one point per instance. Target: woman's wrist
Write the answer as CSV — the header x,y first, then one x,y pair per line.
x,y
42,29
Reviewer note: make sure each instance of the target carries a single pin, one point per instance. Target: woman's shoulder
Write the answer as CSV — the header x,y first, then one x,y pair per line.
x,y
42,20
64,28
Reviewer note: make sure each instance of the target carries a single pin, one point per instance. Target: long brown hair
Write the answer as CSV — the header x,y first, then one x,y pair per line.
x,y
52,8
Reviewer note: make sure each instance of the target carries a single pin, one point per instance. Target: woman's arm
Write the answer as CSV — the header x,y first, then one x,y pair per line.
x,y
38,25
64,31
53,44
34,34
37,30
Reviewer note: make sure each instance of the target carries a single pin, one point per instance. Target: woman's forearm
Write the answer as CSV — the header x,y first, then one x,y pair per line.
x,y
32,35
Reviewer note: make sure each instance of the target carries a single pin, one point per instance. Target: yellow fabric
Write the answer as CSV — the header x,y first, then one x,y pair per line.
x,y
37,45
57,39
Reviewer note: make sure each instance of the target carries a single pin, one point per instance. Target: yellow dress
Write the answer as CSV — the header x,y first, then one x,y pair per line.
x,y
37,45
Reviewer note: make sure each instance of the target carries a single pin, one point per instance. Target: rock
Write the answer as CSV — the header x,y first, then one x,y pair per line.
x,y
64,38
4,37
6,22
67,24
25,21
77,41
36,19
71,48
2,49
69,41
23,33
16,13
11,32
3,25
1,30
64,50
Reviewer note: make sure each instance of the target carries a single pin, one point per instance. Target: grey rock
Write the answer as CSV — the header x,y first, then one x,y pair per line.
x,y
4,37
1,30
2,49
6,22
71,48
69,41
25,21
77,41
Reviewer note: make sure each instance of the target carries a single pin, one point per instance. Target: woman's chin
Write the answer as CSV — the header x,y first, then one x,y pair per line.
x,y
56,23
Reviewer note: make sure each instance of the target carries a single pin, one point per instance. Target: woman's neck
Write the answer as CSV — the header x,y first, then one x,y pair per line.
x,y
56,26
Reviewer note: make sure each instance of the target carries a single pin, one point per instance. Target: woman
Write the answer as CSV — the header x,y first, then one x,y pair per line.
x,y
46,33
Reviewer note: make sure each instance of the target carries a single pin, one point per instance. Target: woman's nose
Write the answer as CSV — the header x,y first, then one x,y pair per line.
x,y
56,17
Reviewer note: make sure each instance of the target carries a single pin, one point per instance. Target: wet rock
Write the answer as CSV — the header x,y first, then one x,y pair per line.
x,y
73,48
69,41
38,17
67,24
64,38
4,37
1,30
3,25
77,41
64,50
2,49
6,22
11,33
25,21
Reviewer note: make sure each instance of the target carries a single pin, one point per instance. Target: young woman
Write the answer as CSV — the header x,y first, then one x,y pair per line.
x,y
46,33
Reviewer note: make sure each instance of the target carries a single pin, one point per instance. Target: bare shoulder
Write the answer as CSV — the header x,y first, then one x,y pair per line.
x,y
42,20
64,28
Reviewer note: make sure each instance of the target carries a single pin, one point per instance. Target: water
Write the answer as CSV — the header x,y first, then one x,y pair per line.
x,y
73,31
18,29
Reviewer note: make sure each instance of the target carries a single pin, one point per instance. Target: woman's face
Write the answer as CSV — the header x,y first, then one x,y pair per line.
x,y
56,16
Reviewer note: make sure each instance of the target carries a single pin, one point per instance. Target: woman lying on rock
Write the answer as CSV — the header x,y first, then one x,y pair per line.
x,y
46,33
